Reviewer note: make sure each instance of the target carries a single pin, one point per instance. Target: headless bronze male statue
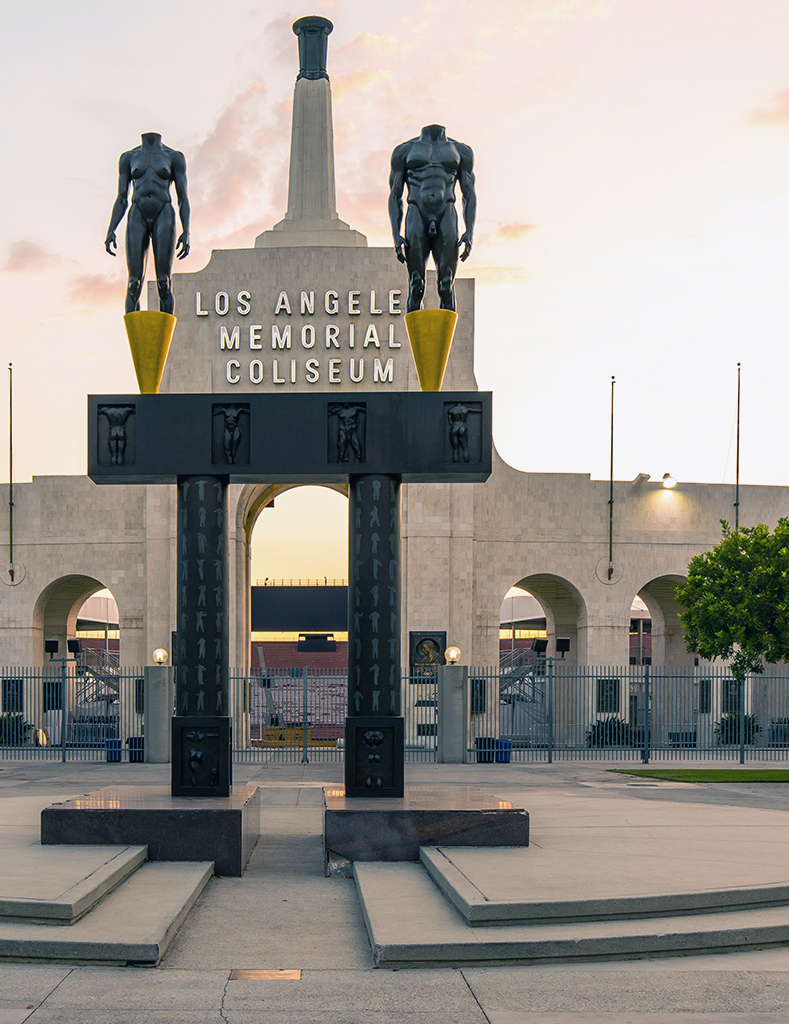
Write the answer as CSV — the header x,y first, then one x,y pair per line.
x,y
431,165
150,168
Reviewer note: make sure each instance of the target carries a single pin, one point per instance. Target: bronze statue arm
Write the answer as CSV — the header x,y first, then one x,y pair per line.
x,y
118,210
184,210
396,186
466,182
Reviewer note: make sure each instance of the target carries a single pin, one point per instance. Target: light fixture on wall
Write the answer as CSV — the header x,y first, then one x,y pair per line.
x,y
641,479
669,481
452,654
160,655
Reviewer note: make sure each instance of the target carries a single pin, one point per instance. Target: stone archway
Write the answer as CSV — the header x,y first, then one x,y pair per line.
x,y
250,503
668,643
55,611
565,612
256,497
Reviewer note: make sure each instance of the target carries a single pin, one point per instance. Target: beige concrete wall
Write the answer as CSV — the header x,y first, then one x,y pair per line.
x,y
464,546
74,538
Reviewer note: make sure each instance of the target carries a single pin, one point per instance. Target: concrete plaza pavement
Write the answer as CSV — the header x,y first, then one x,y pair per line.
x,y
284,915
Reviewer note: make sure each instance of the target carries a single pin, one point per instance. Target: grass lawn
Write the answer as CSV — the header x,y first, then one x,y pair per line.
x,y
708,774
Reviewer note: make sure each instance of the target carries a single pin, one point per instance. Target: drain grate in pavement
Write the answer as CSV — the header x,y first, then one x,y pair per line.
x,y
265,975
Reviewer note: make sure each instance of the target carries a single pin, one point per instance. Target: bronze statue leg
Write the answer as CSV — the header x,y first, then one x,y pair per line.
x,y
416,253
445,254
163,250
137,238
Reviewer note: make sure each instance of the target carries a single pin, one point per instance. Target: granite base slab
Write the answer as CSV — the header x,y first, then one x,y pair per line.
x,y
220,829
371,829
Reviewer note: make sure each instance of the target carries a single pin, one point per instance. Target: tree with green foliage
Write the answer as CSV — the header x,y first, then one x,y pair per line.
x,y
736,599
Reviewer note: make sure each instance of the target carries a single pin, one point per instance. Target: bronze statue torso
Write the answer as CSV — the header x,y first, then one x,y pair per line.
x,y
151,175
431,170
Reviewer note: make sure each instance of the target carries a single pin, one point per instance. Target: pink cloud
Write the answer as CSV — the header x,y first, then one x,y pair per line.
x,y
776,112
90,291
24,257
495,275
357,81
232,168
513,232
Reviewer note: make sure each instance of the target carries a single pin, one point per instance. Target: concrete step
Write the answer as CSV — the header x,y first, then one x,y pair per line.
x,y
410,923
463,875
59,885
133,925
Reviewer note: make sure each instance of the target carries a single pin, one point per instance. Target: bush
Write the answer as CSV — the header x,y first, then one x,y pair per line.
x,y
13,730
610,732
728,729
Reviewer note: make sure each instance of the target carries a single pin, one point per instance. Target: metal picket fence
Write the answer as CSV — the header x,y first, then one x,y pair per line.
x,y
72,713
547,711
420,710
554,711
298,715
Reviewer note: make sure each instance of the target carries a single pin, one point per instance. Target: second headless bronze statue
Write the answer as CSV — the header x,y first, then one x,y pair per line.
x,y
430,166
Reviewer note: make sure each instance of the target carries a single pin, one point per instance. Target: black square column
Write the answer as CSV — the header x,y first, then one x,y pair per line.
x,y
374,734
202,764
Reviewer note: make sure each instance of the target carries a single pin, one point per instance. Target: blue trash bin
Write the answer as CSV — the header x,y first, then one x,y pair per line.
x,y
485,747
503,751
114,750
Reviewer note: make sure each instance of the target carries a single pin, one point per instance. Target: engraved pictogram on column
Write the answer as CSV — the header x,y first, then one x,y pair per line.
x,y
374,627
201,673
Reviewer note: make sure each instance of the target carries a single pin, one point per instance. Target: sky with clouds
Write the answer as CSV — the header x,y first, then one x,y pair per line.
x,y
632,161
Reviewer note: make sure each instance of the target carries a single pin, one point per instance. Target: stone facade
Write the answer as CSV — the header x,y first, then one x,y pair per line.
x,y
464,545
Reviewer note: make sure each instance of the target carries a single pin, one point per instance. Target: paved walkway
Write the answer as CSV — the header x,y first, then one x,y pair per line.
x,y
284,915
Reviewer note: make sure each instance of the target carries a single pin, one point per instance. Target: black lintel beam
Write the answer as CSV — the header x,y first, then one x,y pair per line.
x,y
431,437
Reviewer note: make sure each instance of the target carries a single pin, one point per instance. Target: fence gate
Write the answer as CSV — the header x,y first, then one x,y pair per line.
x,y
289,714
298,715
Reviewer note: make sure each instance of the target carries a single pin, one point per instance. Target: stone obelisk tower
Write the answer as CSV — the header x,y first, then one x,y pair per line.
x,y
312,203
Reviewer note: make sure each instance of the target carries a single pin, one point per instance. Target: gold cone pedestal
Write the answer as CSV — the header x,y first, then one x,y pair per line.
x,y
430,332
150,333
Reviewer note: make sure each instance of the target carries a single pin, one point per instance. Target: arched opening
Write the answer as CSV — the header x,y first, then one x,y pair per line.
x,y
522,621
543,613
547,620
294,573
98,631
640,643
667,637
298,576
58,609
76,607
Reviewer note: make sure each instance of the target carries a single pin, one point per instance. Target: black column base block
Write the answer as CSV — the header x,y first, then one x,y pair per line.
x,y
374,756
202,758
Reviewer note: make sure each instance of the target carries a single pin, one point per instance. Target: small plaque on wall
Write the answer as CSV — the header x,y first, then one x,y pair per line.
x,y
426,651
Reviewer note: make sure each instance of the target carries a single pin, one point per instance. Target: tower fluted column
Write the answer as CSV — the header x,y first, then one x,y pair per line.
x,y
312,217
